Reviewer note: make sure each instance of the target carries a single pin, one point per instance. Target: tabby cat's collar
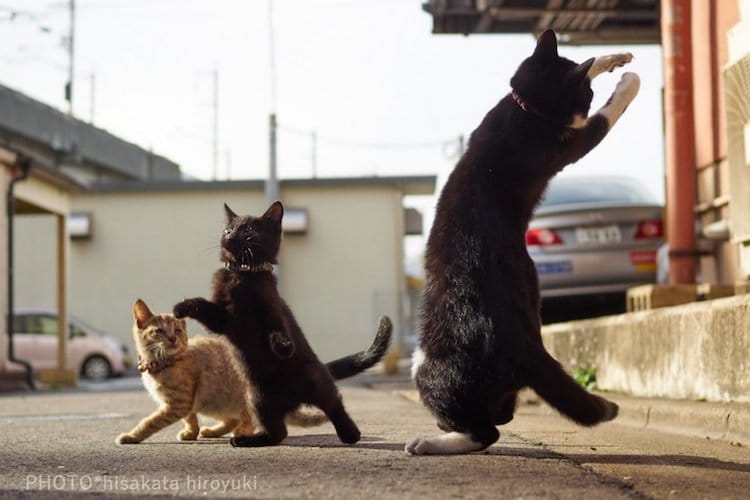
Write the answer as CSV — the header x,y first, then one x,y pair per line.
x,y
250,268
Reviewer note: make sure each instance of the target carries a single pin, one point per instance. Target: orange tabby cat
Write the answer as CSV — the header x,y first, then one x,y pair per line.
x,y
187,377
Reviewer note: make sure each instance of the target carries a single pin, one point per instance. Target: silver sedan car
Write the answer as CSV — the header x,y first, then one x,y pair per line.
x,y
594,236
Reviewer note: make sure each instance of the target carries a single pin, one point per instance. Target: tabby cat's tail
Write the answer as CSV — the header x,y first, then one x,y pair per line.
x,y
549,380
356,363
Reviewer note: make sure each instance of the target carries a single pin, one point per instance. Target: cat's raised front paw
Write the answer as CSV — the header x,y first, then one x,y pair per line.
x,y
126,438
618,61
186,309
628,85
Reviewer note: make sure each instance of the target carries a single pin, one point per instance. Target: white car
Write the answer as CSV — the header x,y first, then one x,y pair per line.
x,y
95,355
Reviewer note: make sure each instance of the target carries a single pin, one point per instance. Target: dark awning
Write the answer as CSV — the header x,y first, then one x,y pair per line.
x,y
577,22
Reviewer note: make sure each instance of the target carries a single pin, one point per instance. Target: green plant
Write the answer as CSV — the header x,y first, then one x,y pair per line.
x,y
586,376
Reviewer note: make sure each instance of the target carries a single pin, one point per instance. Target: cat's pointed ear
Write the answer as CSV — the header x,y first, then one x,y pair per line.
x,y
546,45
275,212
141,313
582,70
230,214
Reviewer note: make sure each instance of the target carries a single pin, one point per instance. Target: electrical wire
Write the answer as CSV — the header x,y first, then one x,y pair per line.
x,y
368,144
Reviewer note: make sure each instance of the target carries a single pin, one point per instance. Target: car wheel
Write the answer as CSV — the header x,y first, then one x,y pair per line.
x,y
96,368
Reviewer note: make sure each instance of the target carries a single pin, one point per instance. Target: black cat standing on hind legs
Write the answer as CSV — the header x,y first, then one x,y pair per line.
x,y
282,368
480,341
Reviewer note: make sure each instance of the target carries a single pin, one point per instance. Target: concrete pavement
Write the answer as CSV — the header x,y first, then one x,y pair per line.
x,y
62,445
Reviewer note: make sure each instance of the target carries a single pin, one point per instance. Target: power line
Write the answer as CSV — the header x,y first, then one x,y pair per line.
x,y
368,144
115,4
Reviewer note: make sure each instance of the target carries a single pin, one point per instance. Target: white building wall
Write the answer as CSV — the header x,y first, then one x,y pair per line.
x,y
338,278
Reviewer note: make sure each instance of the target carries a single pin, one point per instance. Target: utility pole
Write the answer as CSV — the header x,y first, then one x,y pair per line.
x,y
272,183
314,153
216,125
92,96
71,56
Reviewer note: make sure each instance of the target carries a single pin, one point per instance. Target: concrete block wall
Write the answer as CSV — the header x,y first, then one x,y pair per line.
x,y
694,351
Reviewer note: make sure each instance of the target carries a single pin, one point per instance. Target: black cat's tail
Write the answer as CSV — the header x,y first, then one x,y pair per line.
x,y
356,363
549,380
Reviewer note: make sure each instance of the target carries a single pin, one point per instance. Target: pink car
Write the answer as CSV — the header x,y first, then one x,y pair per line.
x,y
95,355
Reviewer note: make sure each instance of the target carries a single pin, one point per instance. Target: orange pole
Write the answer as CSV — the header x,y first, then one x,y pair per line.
x,y
679,139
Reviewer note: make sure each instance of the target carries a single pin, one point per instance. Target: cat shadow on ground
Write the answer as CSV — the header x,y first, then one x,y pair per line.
x,y
306,441
615,458
535,453
326,441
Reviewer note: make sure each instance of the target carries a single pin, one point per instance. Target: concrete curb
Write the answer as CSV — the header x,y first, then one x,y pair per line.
x,y
720,421
728,422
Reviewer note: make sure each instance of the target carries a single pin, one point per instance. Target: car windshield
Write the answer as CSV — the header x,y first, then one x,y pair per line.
x,y
46,324
591,191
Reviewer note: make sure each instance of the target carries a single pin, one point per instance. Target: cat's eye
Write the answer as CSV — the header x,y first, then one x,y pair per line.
x,y
227,231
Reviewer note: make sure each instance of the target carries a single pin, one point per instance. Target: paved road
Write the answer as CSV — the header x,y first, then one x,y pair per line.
x,y
62,445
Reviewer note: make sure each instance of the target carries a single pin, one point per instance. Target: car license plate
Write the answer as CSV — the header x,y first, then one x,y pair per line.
x,y
598,234
554,267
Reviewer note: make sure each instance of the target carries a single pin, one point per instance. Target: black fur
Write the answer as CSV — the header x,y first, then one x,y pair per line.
x,y
480,319
281,365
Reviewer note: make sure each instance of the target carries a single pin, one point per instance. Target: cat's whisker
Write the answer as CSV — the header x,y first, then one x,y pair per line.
x,y
208,249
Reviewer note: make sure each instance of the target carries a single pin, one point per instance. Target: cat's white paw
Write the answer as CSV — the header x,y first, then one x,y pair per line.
x,y
126,438
618,60
450,443
628,85
417,446
609,63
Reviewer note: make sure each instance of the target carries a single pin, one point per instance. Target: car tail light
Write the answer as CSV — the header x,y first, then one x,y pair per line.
x,y
649,229
542,237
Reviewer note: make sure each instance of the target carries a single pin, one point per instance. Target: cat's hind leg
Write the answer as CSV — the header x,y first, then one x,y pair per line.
x,y
190,432
506,408
219,429
465,411
450,443
328,399
478,436
346,429
273,429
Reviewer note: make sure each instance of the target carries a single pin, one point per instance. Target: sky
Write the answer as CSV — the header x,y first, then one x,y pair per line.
x,y
382,94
